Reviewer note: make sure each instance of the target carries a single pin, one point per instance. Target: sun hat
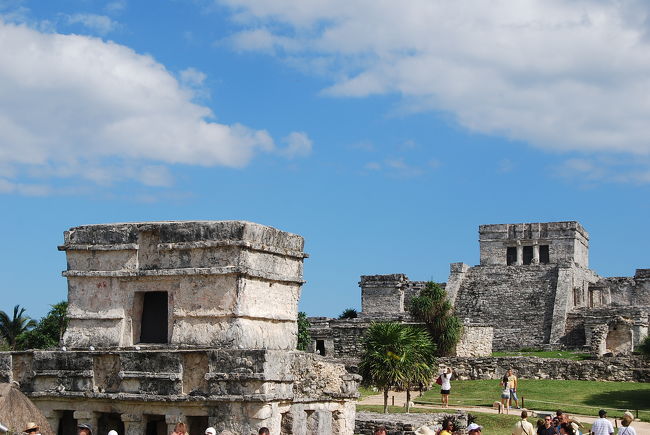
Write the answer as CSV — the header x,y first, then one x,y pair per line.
x,y
210,431
474,426
425,430
31,426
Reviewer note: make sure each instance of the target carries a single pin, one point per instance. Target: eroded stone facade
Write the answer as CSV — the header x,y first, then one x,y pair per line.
x,y
184,321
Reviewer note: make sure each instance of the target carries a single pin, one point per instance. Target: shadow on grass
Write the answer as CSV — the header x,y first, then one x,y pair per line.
x,y
631,399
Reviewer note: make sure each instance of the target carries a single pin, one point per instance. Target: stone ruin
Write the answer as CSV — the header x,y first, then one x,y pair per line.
x,y
532,288
189,322
386,298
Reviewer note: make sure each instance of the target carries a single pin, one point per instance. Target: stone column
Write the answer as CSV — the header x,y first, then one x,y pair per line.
x,y
535,253
172,419
53,417
520,254
134,424
86,417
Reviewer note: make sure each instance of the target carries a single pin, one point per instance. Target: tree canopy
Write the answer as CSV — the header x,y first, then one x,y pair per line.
x,y
349,313
12,327
396,355
48,332
433,308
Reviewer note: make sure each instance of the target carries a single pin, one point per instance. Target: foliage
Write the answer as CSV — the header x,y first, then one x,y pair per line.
x,y
396,355
11,328
432,307
49,330
644,347
304,338
574,397
349,313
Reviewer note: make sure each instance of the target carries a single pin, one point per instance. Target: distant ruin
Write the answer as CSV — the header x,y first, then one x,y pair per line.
x,y
189,322
532,288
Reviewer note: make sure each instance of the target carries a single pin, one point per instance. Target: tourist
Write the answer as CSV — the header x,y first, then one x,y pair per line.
x,y
445,387
626,421
566,429
547,428
602,426
210,431
556,424
474,429
112,432
84,429
425,430
33,429
180,429
512,385
264,431
447,427
505,394
523,426
380,430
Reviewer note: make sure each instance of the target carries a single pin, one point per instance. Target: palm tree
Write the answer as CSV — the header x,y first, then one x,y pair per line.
x,y
10,329
349,313
396,355
433,308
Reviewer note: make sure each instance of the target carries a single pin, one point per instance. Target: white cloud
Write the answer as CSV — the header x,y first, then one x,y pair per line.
x,y
76,106
599,170
298,145
98,23
560,75
115,6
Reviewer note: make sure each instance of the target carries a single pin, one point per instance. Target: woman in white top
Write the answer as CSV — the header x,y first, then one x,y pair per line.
x,y
445,387
626,429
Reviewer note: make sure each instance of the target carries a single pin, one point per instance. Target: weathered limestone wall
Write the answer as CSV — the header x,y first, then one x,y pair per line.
x,y
476,341
628,291
229,283
517,301
568,242
382,294
405,424
620,369
239,390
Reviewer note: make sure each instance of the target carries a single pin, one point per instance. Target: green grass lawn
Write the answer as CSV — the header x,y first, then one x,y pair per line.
x,y
574,397
577,356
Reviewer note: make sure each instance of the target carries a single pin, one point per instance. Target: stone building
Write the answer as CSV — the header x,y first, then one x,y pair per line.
x,y
385,298
184,321
532,288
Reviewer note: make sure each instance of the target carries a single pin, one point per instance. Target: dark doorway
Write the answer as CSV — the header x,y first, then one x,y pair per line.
x,y
153,328
110,421
511,256
320,347
156,425
67,424
544,256
528,254
197,424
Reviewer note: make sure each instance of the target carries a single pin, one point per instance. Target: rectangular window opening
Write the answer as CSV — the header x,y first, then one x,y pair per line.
x,y
153,328
511,255
320,347
528,254
544,257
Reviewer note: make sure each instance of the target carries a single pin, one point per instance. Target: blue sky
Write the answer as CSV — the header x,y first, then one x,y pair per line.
x,y
382,133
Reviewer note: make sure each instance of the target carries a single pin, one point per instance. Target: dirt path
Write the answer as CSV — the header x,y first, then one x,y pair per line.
x,y
641,428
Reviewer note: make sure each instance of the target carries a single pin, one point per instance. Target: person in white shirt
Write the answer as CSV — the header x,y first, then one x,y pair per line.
x,y
445,387
523,426
602,426
626,429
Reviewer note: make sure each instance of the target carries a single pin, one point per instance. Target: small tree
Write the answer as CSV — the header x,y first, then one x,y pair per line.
x,y
396,355
49,330
11,328
433,308
304,338
349,313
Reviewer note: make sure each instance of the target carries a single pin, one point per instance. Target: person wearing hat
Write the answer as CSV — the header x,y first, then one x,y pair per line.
x,y
474,429
602,426
210,431
626,421
84,429
424,430
32,428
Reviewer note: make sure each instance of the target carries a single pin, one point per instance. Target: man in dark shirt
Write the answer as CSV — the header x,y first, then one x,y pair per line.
x,y
547,429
